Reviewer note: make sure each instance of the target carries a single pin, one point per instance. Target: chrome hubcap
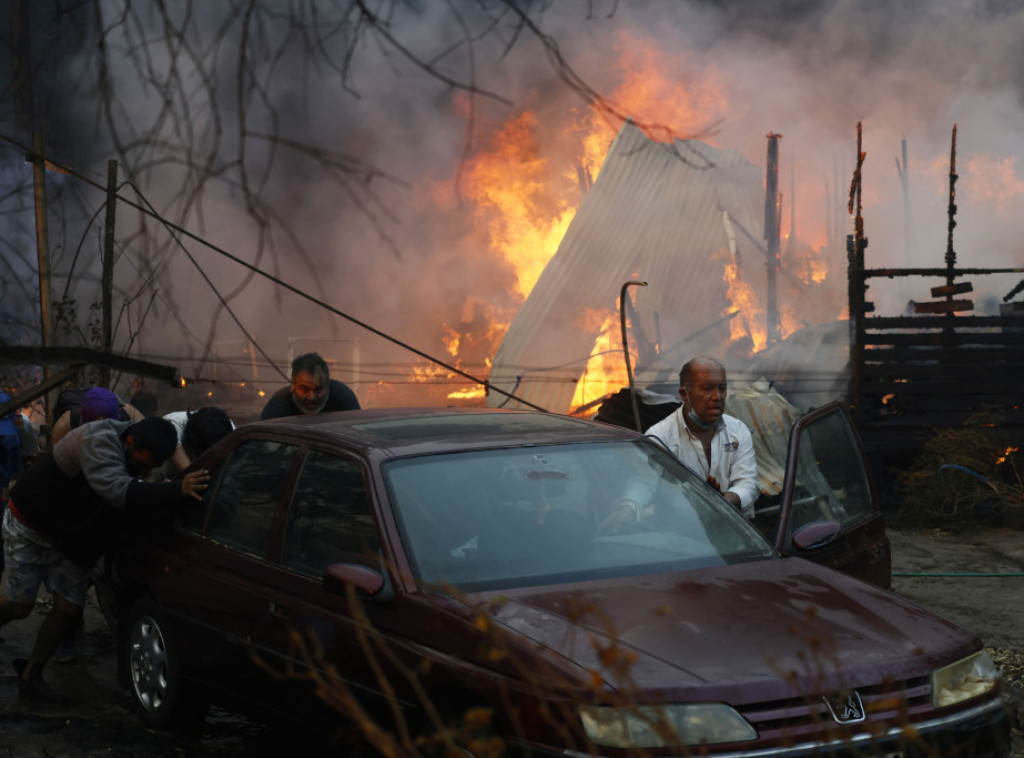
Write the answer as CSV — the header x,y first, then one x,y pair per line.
x,y
148,658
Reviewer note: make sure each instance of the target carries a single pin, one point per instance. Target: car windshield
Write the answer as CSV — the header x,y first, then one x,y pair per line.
x,y
535,515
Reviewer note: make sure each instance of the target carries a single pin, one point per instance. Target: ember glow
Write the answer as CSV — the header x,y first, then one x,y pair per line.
x,y
1006,454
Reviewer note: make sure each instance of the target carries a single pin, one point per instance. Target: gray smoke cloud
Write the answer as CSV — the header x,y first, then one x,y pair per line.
x,y
388,235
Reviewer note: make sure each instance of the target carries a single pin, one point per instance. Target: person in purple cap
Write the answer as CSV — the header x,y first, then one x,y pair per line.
x,y
96,403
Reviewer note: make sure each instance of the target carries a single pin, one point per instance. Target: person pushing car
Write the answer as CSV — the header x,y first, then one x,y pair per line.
x,y
66,511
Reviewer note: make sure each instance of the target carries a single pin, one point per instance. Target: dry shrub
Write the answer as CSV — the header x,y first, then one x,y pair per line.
x,y
962,478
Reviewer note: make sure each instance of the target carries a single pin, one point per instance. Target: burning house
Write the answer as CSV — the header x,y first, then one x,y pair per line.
x,y
686,219
674,232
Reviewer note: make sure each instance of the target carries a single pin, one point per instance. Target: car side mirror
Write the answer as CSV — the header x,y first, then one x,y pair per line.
x,y
367,581
817,534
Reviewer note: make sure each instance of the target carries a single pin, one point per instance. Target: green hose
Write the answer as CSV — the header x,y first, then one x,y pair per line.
x,y
956,573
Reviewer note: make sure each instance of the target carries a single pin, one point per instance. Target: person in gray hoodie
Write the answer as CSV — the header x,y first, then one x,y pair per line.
x,y
67,510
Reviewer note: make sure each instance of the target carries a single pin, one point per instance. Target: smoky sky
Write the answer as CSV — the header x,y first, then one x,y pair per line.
x,y
382,229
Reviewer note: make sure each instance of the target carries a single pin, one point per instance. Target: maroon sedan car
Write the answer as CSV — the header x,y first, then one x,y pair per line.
x,y
410,570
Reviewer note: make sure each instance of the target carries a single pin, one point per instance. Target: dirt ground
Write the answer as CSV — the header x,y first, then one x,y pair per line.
x,y
976,580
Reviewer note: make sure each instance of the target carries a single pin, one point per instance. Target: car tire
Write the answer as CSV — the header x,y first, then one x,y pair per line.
x,y
163,696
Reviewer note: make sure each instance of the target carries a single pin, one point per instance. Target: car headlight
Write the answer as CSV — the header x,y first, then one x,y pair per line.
x,y
664,726
973,676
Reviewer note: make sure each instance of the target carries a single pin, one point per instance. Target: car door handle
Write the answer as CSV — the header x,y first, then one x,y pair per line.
x,y
278,611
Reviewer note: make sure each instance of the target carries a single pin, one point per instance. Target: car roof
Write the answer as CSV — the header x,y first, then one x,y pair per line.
x,y
410,431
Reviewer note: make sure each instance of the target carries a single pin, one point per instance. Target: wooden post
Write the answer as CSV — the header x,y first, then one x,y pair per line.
x,y
108,267
21,60
855,246
771,237
950,253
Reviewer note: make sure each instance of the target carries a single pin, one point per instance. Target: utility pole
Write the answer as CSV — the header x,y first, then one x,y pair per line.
x,y
772,234
21,59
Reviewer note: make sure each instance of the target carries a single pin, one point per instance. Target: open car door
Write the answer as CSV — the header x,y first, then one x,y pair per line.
x,y
828,512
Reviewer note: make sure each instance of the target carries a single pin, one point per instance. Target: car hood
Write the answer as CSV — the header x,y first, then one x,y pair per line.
x,y
750,631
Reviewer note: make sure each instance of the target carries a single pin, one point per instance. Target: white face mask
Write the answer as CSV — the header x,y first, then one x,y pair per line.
x,y
692,415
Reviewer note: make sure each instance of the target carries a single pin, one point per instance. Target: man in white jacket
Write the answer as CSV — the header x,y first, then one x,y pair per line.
x,y
712,444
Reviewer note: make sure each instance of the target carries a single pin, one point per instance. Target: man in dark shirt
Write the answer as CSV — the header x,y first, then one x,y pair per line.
x,y
312,391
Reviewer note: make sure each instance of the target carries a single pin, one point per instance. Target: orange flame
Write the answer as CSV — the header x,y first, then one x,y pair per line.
x,y
750,322
508,185
451,340
605,372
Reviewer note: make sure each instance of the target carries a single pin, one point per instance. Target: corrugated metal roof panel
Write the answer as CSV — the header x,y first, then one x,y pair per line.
x,y
654,213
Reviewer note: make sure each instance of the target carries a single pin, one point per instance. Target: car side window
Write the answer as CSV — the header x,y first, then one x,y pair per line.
x,y
330,520
831,483
242,510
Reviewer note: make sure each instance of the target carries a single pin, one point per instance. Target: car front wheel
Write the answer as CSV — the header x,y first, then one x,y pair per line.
x,y
163,696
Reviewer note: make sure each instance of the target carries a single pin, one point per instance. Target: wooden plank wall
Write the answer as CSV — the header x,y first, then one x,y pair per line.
x,y
919,373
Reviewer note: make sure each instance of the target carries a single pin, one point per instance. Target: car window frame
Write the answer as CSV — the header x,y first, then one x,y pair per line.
x,y
284,507
784,530
220,464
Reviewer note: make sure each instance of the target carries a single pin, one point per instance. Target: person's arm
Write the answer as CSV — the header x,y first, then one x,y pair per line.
x,y
141,495
133,413
744,485
60,428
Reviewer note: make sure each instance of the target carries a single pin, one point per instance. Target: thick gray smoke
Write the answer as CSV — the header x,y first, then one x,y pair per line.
x,y
356,137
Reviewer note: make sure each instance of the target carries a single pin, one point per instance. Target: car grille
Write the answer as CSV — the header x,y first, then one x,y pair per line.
x,y
886,706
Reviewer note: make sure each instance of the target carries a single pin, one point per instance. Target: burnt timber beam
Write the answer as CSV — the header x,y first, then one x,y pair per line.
x,y
917,323
959,288
82,356
74,358
889,273
944,306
